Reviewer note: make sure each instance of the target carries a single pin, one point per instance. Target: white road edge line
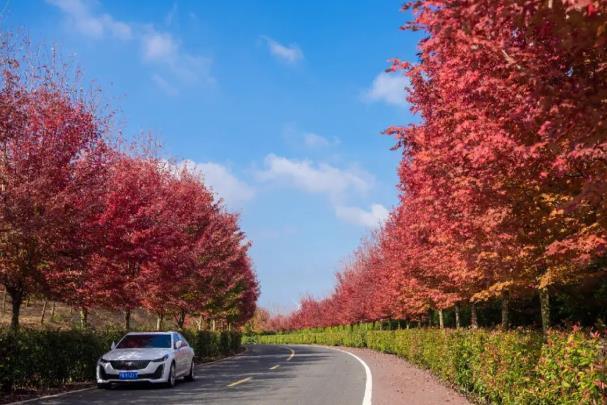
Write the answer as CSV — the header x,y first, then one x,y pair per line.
x,y
292,353
369,379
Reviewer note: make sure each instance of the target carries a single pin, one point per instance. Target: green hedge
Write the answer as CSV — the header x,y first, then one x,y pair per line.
x,y
509,367
209,345
33,359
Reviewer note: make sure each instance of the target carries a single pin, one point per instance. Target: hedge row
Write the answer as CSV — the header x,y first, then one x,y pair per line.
x,y
509,367
209,345
33,359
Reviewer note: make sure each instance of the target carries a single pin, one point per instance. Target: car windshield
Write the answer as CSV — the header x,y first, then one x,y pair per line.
x,y
145,342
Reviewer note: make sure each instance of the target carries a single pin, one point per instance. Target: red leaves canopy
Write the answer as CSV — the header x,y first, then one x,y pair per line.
x,y
83,223
503,181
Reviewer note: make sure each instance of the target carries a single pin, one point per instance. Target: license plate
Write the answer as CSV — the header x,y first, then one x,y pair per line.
x,y
127,375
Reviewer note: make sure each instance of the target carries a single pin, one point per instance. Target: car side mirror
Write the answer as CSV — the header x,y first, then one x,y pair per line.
x,y
178,344
113,345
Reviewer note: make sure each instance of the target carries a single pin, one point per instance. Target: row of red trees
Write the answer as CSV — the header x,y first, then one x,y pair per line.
x,y
503,182
84,223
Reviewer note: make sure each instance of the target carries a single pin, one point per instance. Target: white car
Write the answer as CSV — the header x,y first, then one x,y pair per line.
x,y
155,357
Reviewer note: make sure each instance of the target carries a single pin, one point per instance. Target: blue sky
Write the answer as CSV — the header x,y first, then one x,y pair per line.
x,y
279,103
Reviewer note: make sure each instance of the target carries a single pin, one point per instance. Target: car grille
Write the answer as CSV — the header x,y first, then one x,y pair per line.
x,y
129,364
153,376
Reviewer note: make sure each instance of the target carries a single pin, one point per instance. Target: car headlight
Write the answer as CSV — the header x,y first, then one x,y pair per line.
x,y
103,361
163,358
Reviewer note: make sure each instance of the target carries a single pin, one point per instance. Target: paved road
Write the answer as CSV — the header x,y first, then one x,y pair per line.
x,y
266,375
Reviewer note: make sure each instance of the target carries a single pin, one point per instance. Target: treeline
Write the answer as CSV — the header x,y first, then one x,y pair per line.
x,y
503,181
89,222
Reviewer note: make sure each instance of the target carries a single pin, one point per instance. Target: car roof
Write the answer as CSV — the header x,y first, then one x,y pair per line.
x,y
151,333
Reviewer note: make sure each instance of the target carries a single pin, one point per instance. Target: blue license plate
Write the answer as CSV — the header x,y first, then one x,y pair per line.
x,y
127,375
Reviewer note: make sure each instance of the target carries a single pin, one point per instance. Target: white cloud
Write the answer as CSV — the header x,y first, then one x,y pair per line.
x,y
337,184
287,53
81,17
220,179
373,218
388,88
163,49
157,47
312,140
165,86
314,178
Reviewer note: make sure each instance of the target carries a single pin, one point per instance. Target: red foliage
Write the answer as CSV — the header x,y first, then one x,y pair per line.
x,y
91,226
503,180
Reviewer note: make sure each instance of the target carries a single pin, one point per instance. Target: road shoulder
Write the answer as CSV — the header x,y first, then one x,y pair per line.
x,y
396,381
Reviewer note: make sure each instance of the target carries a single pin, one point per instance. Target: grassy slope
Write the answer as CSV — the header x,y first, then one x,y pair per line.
x,y
67,318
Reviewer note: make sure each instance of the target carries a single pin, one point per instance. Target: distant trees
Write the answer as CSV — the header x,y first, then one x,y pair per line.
x,y
503,180
87,224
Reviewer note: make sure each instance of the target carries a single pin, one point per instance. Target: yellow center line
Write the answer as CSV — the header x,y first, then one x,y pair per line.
x,y
235,383
275,367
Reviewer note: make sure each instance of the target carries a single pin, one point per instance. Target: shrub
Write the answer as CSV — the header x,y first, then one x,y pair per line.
x,y
510,367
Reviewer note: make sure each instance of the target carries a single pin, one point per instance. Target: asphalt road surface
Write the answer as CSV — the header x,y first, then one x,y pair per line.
x,y
264,374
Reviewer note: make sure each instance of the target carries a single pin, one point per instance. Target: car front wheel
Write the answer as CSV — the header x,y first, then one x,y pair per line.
x,y
190,376
171,379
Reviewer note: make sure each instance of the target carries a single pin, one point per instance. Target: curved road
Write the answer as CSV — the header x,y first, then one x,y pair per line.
x,y
264,374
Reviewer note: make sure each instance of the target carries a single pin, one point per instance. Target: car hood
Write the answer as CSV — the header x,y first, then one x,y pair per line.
x,y
135,354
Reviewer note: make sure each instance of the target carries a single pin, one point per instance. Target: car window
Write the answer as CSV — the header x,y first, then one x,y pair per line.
x,y
145,341
175,339
183,339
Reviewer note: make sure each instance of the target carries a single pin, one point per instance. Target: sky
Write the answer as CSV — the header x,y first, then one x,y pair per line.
x,y
280,104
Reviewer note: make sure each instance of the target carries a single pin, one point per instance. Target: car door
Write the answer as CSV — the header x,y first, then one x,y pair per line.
x,y
179,355
188,354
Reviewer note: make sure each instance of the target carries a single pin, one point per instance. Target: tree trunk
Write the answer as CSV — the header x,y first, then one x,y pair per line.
x,y
473,316
43,312
430,318
457,322
505,310
159,320
407,325
181,319
199,323
213,325
127,319
17,300
441,322
4,301
545,308
53,312
84,318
